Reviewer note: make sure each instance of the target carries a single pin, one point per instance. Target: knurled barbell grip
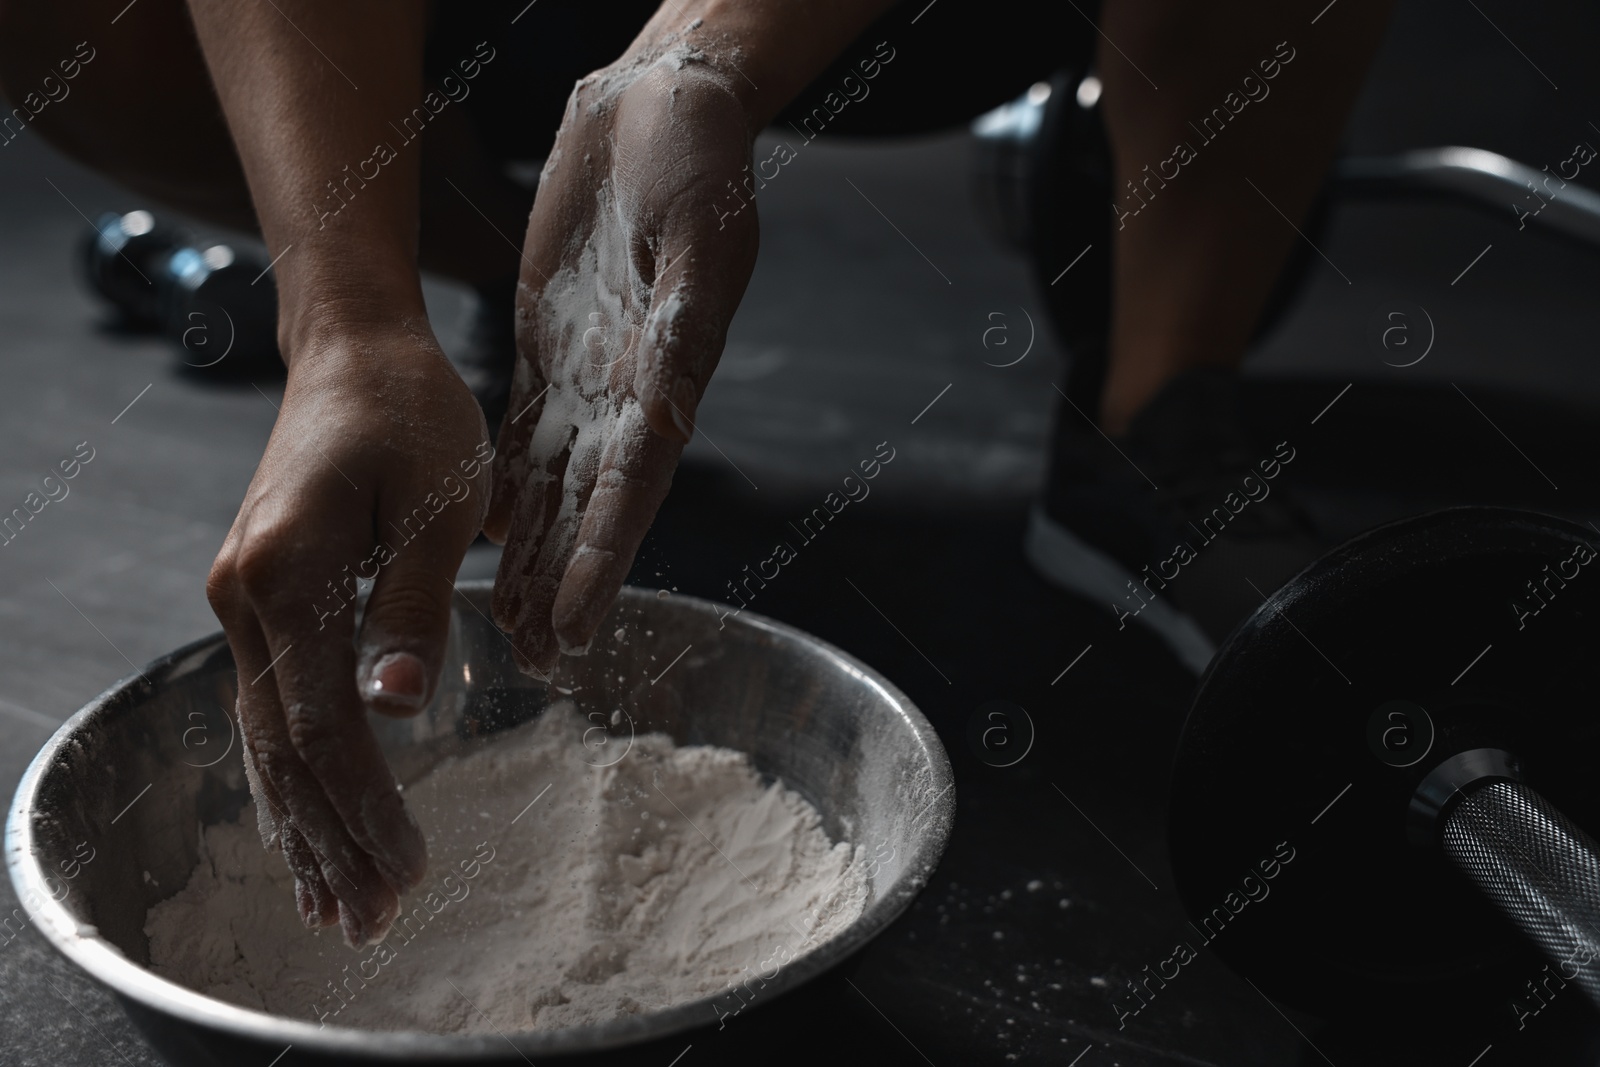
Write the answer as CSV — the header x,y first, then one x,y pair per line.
x,y
1539,869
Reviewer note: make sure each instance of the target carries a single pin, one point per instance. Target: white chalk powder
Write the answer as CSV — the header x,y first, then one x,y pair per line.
x,y
671,875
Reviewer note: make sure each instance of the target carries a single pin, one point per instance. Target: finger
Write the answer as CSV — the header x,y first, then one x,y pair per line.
x,y
538,502
684,333
512,462
331,865
324,721
269,807
407,618
313,899
635,475
543,537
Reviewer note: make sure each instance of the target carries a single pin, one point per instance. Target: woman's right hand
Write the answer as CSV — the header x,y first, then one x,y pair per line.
x,y
638,252
642,240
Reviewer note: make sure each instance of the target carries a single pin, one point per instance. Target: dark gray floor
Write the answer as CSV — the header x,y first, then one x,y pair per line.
x,y
847,334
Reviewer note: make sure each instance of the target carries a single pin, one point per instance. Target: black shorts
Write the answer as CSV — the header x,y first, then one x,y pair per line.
x,y
952,61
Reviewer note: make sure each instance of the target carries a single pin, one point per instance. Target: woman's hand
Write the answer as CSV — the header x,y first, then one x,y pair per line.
x,y
377,468
633,266
632,270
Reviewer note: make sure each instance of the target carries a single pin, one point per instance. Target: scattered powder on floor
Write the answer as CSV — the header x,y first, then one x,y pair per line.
x,y
668,876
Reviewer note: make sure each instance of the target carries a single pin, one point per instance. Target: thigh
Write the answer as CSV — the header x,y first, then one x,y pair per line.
x,y
138,105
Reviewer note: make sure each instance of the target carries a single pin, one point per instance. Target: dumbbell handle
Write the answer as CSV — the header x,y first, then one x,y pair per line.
x,y
1539,869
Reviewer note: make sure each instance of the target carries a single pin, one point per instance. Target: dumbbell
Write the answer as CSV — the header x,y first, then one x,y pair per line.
x,y
1386,782
215,302
218,304
223,306
124,261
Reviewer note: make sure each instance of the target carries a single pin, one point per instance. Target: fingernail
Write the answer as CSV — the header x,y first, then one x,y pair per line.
x,y
358,933
538,661
569,649
398,678
350,923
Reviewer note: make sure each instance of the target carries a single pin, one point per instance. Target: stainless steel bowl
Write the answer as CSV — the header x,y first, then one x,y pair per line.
x,y
123,786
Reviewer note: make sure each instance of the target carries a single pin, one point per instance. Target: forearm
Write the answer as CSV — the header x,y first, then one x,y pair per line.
x,y
308,89
773,50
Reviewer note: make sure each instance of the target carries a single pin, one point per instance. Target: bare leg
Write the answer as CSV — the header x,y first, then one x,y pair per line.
x,y
1193,268
143,112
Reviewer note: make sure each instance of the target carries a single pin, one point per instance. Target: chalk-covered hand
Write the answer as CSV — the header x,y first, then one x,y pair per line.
x,y
375,468
633,267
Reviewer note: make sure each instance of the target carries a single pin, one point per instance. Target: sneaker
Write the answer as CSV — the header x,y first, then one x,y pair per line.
x,y
1182,525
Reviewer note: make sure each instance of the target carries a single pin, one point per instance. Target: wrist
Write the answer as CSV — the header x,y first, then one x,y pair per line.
x,y
324,306
765,53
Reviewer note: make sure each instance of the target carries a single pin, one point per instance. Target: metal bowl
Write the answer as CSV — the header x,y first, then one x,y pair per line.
x,y
123,786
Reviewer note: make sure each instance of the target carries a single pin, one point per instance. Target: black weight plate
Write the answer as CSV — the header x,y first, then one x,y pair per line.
x,y
1279,757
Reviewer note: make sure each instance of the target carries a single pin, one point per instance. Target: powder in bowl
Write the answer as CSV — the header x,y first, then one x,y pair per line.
x,y
559,893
